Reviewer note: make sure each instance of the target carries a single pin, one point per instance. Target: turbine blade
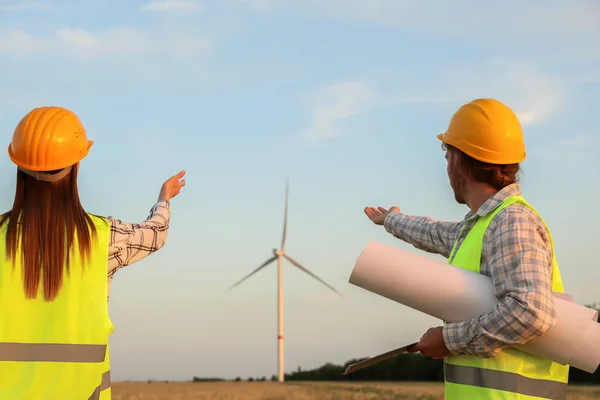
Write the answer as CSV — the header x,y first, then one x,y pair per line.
x,y
269,261
285,215
297,264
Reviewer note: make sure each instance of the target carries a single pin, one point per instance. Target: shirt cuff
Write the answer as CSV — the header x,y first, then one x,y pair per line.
x,y
161,203
455,338
391,222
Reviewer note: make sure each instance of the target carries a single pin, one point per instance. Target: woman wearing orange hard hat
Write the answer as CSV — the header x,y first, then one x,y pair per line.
x,y
503,237
58,261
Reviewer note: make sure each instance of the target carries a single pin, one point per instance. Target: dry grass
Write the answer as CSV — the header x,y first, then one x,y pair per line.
x,y
297,391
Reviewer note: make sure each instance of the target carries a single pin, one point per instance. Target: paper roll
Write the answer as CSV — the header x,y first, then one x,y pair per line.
x,y
586,353
557,344
453,294
430,286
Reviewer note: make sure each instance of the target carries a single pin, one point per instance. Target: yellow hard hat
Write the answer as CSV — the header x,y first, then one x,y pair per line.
x,y
48,139
488,131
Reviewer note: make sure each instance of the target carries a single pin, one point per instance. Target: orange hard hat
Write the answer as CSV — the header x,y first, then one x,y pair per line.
x,y
488,131
47,139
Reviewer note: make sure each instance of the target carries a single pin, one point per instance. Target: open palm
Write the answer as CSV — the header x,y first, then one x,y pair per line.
x,y
378,215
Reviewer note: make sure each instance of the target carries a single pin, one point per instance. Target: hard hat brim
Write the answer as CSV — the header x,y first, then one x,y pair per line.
x,y
49,167
471,152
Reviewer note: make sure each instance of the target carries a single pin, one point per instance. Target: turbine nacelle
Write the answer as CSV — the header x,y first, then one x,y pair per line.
x,y
278,253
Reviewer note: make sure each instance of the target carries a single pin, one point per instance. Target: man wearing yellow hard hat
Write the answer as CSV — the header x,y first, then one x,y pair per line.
x,y
502,236
57,263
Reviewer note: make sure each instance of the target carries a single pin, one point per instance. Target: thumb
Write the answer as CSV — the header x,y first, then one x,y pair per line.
x,y
395,209
413,348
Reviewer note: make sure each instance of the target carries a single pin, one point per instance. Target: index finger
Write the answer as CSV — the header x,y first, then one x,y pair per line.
x,y
180,174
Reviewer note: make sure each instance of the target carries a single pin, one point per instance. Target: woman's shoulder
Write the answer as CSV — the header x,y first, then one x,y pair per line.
x,y
100,222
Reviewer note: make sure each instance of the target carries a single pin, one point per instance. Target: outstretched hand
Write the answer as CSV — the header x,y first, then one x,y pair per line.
x,y
378,215
172,187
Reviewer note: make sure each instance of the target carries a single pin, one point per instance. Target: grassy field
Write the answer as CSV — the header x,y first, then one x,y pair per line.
x,y
296,391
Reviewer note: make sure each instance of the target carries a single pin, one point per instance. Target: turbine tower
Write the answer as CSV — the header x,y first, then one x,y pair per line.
x,y
279,255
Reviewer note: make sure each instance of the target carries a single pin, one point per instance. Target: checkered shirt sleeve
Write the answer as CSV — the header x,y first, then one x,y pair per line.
x,y
130,243
424,233
516,254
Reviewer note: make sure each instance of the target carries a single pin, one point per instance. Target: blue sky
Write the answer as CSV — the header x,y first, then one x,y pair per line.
x,y
344,97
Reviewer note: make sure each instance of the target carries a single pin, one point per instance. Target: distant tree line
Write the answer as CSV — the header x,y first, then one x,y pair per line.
x,y
405,367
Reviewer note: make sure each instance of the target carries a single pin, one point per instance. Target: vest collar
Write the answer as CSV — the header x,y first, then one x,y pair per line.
x,y
493,202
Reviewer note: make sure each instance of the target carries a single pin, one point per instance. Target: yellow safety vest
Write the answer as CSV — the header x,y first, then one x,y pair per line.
x,y
512,374
56,350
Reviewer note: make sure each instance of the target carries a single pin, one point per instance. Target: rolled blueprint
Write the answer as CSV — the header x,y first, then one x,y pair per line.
x,y
453,294
586,349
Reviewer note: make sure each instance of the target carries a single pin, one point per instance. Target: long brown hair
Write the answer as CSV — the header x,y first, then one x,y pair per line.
x,y
50,215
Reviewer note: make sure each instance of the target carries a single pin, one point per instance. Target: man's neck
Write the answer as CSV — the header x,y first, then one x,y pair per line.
x,y
479,194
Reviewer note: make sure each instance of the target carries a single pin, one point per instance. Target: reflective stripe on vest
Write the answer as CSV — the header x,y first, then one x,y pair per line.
x,y
105,384
511,374
506,381
104,389
52,352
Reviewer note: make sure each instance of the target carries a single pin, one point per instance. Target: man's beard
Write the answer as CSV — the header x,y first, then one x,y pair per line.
x,y
459,198
457,185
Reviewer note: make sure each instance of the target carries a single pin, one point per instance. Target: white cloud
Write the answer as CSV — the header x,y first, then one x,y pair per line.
x,y
575,149
172,5
573,141
259,5
333,104
29,6
76,42
535,26
81,44
113,42
557,33
534,95
184,47
558,17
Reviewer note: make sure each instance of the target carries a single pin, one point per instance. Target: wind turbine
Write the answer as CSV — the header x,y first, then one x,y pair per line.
x,y
279,255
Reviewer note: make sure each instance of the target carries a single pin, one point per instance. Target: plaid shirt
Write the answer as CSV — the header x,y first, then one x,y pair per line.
x,y
516,254
130,243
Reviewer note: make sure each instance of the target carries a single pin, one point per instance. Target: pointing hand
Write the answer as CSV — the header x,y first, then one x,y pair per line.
x,y
172,187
